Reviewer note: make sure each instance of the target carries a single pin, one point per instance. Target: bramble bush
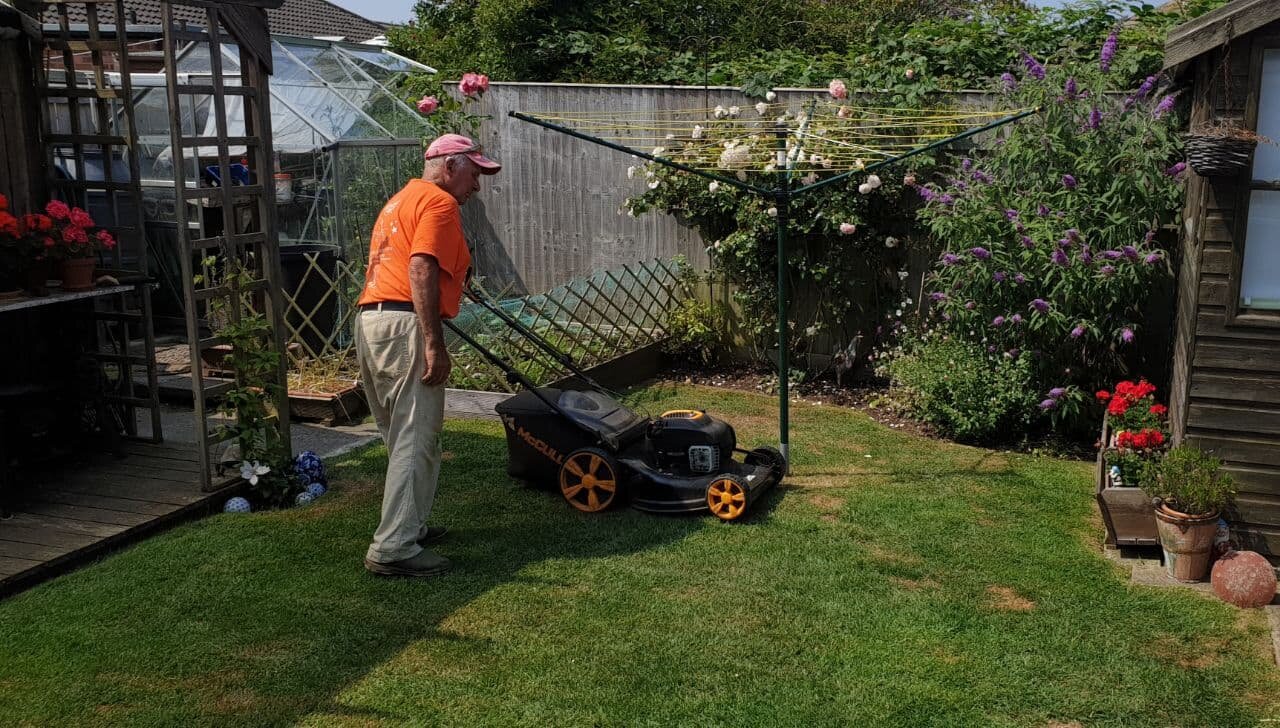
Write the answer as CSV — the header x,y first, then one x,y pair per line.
x,y
1051,234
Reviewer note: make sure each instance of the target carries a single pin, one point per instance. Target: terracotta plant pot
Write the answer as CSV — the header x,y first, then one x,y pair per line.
x,y
1187,541
77,274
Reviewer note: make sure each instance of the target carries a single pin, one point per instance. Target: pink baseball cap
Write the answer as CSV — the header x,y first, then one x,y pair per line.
x,y
448,144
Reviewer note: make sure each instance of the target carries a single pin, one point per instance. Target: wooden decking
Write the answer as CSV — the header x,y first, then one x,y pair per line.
x,y
79,513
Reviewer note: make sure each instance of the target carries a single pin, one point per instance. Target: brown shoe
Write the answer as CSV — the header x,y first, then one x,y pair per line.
x,y
424,564
433,534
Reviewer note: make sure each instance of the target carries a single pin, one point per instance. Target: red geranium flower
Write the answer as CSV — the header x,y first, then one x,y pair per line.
x,y
80,218
1118,406
58,210
4,202
1103,395
1159,410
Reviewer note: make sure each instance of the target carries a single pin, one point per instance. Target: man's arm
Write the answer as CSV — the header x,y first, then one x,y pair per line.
x,y
424,282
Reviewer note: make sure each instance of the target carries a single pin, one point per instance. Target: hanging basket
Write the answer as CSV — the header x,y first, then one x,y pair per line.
x,y
1217,156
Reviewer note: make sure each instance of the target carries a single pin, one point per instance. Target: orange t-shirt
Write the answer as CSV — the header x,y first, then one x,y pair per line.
x,y
420,219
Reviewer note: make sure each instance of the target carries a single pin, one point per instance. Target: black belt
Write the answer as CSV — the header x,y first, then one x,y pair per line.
x,y
388,306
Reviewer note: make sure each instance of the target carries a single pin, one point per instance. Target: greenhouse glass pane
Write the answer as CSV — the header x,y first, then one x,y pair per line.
x,y
286,70
392,114
328,112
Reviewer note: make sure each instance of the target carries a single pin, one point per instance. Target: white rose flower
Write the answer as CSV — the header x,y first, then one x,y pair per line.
x,y
874,181
713,186
631,172
811,330
865,188
657,151
771,97
653,184
719,112
890,242
697,131
771,212
809,179
734,110
762,108
671,136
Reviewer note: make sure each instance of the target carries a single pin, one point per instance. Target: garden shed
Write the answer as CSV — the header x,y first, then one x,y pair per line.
x,y
1225,387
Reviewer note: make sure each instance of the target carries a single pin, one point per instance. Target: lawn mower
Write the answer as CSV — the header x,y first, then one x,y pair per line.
x,y
602,454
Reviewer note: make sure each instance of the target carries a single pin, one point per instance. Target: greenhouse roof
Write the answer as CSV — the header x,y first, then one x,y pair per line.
x,y
322,93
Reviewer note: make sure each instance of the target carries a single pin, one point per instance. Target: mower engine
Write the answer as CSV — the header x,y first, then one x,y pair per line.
x,y
690,442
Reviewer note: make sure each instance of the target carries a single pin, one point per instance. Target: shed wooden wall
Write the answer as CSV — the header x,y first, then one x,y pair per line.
x,y
1225,392
21,155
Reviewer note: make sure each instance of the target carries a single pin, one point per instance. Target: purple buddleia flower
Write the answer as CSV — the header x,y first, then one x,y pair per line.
x,y
950,259
1145,88
1027,242
1108,52
927,194
1073,234
1060,258
1095,118
1019,279
1010,83
1011,214
1078,331
1015,319
1111,254
1013,353
947,200
1107,271
1049,404
1040,305
937,296
998,276
1042,210
1069,90
1130,252
997,321
966,164
1176,169
959,184
969,305
983,177
1069,181
1151,235
980,253
1152,258
946,316
991,349
1086,254
1064,243
1164,107
1126,335
1034,69
1058,392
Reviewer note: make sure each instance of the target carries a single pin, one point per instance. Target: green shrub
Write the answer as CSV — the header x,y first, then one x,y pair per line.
x,y
695,332
1189,481
966,392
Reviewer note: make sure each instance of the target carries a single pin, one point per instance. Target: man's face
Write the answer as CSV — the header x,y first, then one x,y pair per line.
x,y
462,178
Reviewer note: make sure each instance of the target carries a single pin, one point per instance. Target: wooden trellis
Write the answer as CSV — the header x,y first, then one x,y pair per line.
x,y
590,319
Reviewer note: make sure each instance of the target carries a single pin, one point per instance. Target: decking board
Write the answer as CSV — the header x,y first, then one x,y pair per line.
x,y
72,517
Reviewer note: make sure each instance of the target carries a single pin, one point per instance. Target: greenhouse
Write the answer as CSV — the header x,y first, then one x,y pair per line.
x,y
344,141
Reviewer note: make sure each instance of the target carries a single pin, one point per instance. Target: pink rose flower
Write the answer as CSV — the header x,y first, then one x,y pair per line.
x,y
427,105
848,228
483,80
470,84
837,89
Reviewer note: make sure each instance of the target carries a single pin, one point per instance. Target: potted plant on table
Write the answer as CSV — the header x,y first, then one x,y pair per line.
x,y
76,244
1133,432
1190,490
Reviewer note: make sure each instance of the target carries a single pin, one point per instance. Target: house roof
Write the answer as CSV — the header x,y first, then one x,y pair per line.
x,y
306,18
1216,28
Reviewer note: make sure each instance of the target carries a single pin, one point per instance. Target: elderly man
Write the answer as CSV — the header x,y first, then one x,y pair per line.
x,y
418,265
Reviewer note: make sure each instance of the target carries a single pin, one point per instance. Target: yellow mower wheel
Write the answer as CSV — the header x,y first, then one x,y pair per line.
x,y
589,480
727,497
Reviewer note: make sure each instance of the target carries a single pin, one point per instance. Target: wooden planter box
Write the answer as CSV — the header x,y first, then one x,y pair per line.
x,y
1127,512
329,408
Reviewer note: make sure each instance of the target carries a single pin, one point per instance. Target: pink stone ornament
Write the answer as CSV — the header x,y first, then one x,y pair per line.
x,y
1244,578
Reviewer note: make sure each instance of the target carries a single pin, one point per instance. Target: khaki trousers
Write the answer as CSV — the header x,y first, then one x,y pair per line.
x,y
409,414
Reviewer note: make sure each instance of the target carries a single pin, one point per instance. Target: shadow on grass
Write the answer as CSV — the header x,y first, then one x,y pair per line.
x,y
277,608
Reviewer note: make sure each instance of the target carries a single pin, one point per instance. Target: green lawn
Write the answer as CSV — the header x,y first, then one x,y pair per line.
x,y
893,581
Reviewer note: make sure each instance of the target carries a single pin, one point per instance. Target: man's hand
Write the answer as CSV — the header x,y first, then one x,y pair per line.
x,y
438,365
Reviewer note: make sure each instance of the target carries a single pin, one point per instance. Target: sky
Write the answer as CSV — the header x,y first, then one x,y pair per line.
x,y
399,11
